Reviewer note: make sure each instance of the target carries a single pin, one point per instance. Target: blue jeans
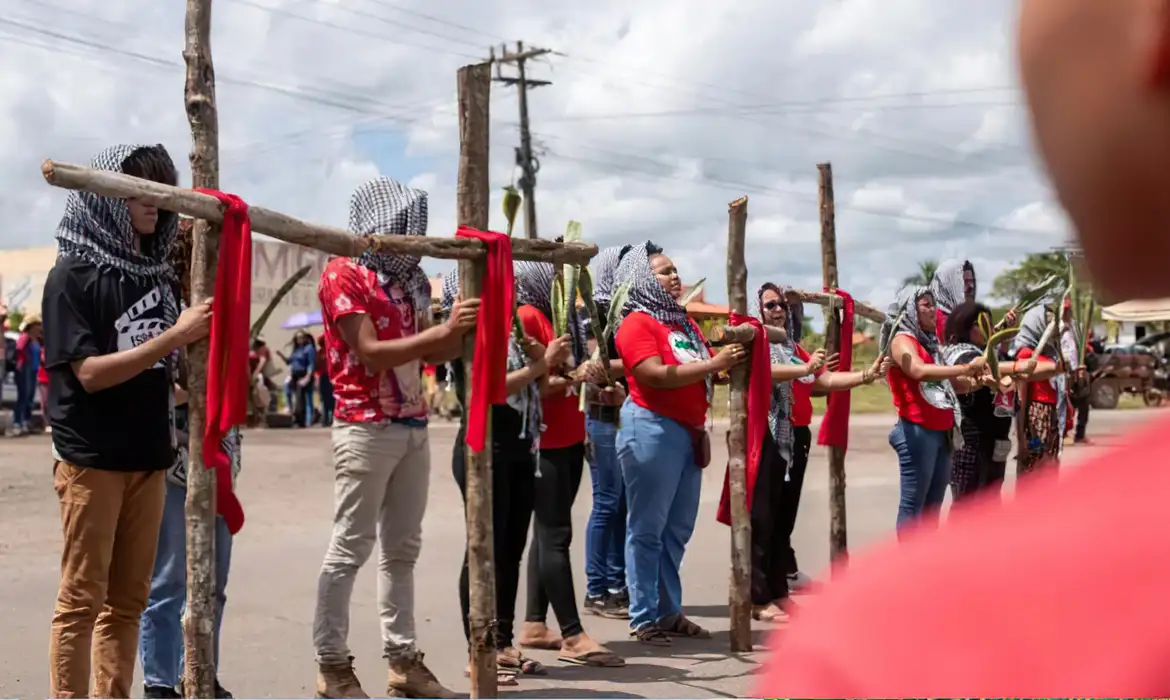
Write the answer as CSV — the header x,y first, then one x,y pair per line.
x,y
662,494
161,641
26,389
605,535
924,460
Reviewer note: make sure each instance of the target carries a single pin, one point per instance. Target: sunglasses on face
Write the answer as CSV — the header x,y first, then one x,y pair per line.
x,y
772,305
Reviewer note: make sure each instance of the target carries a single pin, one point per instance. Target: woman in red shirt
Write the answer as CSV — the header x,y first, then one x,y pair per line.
x,y
558,476
776,492
1045,412
662,443
923,389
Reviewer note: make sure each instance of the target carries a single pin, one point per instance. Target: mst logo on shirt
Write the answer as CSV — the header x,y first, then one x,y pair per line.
x,y
133,330
685,350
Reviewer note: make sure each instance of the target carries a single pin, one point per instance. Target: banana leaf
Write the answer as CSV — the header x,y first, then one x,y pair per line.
x,y
691,293
1087,325
572,273
617,305
601,353
993,342
560,316
254,331
511,205
985,326
1037,295
884,350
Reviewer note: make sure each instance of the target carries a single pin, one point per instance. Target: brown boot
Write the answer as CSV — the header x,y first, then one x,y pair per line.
x,y
338,681
409,677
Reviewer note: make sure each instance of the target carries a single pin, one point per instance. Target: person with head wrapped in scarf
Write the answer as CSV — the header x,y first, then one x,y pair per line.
x,y
378,332
979,464
605,536
775,495
112,330
515,434
924,389
953,283
663,443
558,477
1046,411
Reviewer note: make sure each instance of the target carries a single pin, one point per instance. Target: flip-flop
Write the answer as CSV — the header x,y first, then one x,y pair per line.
x,y
596,659
520,664
543,644
505,677
681,626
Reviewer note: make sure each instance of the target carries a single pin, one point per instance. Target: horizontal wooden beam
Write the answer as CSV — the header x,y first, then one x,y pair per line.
x,y
726,335
282,227
860,308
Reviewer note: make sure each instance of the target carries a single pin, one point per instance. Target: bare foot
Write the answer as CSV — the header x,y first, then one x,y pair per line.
x,y
769,613
537,635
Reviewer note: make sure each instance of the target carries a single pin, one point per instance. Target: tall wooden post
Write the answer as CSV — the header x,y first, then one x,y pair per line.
x,y
741,526
838,532
473,195
199,619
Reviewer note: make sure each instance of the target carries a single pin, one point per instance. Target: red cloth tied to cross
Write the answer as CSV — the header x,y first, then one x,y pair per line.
x,y
228,374
759,405
835,426
493,329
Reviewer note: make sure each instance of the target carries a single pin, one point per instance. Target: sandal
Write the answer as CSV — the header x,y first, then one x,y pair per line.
x,y
681,626
651,634
600,658
512,659
504,676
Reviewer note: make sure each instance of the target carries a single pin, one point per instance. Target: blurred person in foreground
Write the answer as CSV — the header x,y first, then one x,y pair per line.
x,y
932,617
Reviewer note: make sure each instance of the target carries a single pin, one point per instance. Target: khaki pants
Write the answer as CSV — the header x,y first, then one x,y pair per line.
x,y
382,474
110,521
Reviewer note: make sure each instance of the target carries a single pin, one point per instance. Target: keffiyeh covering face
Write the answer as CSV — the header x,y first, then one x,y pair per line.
x,y
97,230
605,267
384,206
534,282
779,418
929,341
527,402
947,285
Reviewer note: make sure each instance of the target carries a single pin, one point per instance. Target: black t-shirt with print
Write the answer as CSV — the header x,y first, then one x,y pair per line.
x,y
87,313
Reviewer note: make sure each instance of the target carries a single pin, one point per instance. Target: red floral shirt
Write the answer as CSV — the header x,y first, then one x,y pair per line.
x,y
363,396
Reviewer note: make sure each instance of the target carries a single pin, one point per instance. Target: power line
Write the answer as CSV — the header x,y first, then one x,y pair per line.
x,y
524,158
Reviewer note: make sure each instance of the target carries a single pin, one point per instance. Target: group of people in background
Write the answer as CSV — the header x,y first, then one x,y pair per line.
x,y
955,415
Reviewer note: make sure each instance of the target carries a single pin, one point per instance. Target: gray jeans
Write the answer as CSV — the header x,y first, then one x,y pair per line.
x,y
380,492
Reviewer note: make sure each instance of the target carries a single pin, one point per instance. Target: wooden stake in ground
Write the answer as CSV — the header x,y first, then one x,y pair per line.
x,y
199,618
473,194
741,526
838,533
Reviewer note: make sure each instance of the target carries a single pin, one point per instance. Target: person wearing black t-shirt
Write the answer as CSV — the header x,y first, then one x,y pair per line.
x,y
112,334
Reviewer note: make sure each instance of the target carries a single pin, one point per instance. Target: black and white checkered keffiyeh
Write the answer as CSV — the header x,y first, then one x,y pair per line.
x,y
780,414
929,341
1032,328
527,402
947,285
647,294
534,282
384,206
231,443
604,270
97,230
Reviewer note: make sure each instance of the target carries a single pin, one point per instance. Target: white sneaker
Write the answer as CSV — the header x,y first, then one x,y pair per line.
x,y
802,583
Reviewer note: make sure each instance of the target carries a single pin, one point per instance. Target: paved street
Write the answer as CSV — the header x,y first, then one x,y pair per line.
x,y
286,486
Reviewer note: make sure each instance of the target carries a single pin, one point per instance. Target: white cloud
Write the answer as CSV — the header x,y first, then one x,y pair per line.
x,y
659,115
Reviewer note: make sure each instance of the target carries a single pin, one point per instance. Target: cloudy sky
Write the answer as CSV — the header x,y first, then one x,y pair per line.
x,y
659,115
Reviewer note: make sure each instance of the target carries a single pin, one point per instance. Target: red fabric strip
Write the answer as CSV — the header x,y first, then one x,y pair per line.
x,y
835,426
490,367
227,363
759,403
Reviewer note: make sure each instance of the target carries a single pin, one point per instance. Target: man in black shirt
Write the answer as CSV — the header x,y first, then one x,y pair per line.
x,y
112,335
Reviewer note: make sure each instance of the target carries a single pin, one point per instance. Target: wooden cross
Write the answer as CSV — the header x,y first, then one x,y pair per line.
x,y
474,83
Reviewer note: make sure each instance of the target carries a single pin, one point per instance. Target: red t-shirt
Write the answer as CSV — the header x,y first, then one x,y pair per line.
x,y
564,424
42,373
923,617
362,396
640,337
1042,389
910,401
802,407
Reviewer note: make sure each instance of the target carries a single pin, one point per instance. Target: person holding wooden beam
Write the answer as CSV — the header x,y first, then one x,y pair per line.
x,y
378,331
663,443
775,494
112,328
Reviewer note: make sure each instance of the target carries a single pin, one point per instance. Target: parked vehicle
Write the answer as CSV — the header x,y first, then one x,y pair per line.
x,y
1139,369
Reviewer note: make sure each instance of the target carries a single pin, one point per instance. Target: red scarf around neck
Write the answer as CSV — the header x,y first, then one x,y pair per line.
x,y
835,426
228,374
759,404
489,369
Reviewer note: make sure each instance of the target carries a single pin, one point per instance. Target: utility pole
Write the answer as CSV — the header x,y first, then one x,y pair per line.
x,y
524,158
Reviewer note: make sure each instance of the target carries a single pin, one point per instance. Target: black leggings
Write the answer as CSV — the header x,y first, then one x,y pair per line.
x,y
550,575
513,467
769,527
790,497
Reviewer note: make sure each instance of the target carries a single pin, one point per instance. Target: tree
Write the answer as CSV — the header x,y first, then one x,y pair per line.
x,y
1032,270
922,278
